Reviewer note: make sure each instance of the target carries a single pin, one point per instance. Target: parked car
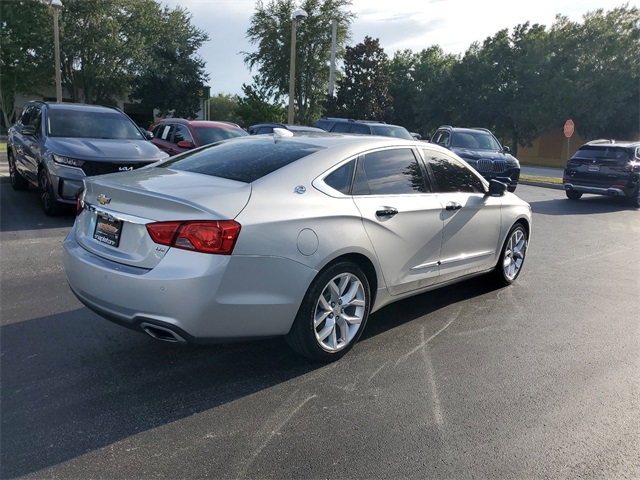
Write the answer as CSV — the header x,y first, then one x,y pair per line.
x,y
263,128
604,167
54,146
302,236
177,135
482,150
363,127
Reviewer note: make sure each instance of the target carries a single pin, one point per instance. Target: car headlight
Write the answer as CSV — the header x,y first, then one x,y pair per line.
x,y
72,162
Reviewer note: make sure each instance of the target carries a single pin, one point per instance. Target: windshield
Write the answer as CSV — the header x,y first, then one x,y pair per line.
x,y
207,135
91,124
391,131
476,141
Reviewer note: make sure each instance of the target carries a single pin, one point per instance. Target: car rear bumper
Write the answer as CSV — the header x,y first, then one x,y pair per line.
x,y
190,296
610,191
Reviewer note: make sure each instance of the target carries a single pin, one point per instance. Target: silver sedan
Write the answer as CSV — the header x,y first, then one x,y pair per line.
x,y
301,236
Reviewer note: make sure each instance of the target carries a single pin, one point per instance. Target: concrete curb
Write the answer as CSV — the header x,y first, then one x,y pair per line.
x,y
555,186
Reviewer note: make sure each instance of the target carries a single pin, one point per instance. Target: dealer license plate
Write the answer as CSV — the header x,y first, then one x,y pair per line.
x,y
594,168
108,231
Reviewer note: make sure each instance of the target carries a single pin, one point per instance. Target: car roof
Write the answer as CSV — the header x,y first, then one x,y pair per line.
x,y
198,123
80,107
611,143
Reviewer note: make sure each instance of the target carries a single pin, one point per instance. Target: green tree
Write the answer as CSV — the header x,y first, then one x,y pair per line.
x,y
173,74
363,91
255,106
270,29
26,56
501,83
421,88
224,107
597,73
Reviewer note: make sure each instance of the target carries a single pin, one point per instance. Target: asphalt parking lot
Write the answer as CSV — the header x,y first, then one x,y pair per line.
x,y
538,380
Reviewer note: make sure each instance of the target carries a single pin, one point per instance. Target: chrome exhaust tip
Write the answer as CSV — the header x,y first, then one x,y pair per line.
x,y
161,333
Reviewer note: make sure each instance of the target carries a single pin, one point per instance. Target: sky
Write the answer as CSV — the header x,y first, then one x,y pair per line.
x,y
398,24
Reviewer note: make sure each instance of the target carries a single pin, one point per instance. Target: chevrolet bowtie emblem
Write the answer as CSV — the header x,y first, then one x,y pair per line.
x,y
103,200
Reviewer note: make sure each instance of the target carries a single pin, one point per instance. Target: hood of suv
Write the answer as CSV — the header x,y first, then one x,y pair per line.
x,y
474,155
105,149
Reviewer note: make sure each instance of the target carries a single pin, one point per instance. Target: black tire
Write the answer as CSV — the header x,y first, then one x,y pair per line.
x,y
50,205
18,182
512,188
331,336
512,256
573,195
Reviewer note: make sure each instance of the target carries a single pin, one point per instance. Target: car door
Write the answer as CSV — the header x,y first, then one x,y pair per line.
x,y
471,218
401,216
162,135
29,142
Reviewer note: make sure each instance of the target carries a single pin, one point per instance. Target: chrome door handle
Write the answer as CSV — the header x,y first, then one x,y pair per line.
x,y
453,206
386,212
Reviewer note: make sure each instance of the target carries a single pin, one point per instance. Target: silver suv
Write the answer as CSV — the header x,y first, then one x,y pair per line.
x,y
53,146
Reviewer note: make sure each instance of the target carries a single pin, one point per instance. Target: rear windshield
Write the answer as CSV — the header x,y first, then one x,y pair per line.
x,y
91,124
242,160
207,135
619,154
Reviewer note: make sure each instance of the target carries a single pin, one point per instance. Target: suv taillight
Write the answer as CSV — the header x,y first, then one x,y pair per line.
x,y
216,237
80,202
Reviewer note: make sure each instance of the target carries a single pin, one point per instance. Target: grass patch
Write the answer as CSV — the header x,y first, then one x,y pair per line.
x,y
536,178
3,147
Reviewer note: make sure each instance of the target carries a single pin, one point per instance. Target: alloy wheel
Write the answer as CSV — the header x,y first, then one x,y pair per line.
x,y
514,254
339,312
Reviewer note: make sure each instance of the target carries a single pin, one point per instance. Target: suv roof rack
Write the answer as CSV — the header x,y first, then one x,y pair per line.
x,y
601,141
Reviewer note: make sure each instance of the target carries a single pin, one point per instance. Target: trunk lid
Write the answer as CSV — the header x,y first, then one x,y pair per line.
x,y
117,208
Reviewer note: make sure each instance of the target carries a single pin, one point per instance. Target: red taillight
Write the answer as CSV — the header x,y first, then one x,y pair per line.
x,y
80,203
217,237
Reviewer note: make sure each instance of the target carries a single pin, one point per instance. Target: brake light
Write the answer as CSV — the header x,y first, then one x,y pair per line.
x,y
216,237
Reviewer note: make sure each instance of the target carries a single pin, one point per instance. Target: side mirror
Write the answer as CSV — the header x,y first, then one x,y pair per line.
x,y
148,135
497,188
506,149
186,144
28,130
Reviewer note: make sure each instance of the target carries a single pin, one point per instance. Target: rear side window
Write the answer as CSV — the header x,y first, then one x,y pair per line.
x,y
358,128
341,127
341,178
243,160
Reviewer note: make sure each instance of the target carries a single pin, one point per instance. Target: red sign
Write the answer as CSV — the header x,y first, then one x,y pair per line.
x,y
569,128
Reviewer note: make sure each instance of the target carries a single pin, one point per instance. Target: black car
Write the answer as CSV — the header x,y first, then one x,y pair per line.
x,y
604,167
53,146
363,127
482,150
265,128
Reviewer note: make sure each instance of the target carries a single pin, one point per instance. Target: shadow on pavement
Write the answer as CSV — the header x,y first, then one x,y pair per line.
x,y
16,206
74,383
587,205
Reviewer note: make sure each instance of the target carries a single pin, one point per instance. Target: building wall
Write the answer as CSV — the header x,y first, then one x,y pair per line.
x,y
552,149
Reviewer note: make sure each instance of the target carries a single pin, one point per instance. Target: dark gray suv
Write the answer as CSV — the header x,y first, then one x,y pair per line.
x,y
53,146
482,150
604,167
363,127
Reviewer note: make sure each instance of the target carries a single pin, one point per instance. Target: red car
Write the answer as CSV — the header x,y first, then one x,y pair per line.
x,y
177,135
